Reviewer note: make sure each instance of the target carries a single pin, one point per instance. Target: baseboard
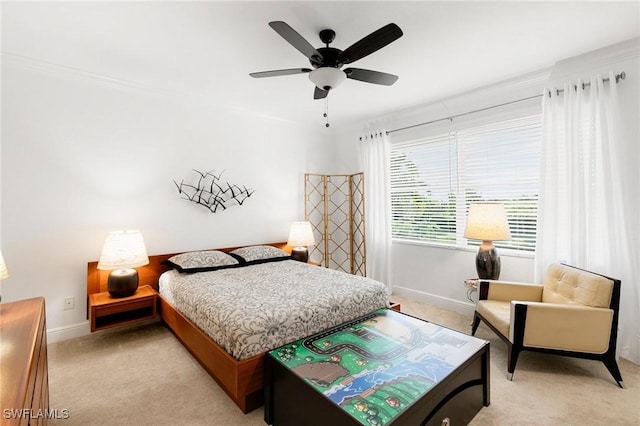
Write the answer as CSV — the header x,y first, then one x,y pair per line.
x,y
466,308
83,329
629,351
67,332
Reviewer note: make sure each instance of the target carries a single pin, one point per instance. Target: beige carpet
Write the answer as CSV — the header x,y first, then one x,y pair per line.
x,y
144,376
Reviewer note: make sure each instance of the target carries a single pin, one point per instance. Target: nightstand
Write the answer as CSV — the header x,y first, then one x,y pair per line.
x,y
106,311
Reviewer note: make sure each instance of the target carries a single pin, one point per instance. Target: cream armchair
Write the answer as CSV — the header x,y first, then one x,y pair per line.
x,y
573,313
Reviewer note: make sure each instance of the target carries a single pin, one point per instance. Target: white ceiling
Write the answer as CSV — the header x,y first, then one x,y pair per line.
x,y
209,48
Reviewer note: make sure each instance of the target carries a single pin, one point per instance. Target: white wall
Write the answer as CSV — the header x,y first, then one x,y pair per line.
x,y
84,154
436,274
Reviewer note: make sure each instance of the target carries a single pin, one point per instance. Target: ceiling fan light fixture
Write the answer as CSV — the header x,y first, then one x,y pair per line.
x,y
327,78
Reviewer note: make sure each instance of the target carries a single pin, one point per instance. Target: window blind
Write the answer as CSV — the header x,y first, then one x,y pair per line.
x,y
433,181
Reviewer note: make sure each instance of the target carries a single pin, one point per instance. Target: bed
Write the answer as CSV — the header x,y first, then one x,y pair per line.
x,y
229,314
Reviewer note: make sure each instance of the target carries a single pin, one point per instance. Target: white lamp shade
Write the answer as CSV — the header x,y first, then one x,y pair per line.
x,y
487,222
122,250
4,272
327,77
301,235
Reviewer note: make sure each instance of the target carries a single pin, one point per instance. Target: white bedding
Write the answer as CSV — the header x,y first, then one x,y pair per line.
x,y
253,309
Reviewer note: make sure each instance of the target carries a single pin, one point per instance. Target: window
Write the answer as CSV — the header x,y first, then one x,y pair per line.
x,y
433,181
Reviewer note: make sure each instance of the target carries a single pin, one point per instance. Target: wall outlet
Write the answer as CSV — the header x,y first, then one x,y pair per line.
x,y
69,302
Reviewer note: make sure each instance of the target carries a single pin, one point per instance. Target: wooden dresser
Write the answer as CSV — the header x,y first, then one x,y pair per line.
x,y
24,387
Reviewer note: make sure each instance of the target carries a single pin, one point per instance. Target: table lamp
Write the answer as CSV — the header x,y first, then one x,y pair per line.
x,y
122,252
300,237
4,272
487,222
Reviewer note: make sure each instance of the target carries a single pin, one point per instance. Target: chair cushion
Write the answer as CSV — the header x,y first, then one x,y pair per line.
x,y
568,327
563,284
497,313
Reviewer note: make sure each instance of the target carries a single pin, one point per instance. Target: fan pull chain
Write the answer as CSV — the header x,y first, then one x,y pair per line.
x,y
326,110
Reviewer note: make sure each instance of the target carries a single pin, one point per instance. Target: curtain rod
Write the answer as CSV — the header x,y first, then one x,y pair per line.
x,y
619,77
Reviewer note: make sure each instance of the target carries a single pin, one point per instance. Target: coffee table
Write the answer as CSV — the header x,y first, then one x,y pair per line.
x,y
385,368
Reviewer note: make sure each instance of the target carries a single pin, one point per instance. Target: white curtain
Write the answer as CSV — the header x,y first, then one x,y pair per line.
x,y
588,209
374,152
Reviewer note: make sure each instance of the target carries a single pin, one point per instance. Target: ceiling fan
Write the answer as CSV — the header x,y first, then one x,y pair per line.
x,y
328,61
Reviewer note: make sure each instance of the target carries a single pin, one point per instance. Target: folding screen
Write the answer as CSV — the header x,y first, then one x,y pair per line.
x,y
334,205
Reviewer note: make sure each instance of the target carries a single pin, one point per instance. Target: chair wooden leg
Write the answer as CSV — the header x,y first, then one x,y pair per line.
x,y
475,323
512,359
516,346
612,366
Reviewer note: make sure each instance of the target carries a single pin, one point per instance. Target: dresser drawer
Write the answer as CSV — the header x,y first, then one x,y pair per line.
x,y
23,370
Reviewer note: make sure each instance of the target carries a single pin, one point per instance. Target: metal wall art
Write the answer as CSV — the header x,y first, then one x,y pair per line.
x,y
211,192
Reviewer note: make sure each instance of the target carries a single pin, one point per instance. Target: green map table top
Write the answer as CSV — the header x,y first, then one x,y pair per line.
x,y
378,365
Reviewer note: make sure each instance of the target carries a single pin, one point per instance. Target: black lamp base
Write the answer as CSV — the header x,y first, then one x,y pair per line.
x,y
301,254
122,282
488,262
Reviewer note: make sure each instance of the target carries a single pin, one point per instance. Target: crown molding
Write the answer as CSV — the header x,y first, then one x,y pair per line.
x,y
24,63
522,86
614,53
605,57
100,80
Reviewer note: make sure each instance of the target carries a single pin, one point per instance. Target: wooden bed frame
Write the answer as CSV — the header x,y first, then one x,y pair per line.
x,y
241,380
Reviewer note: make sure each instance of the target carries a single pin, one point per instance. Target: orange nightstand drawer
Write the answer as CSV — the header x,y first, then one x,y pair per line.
x,y
106,311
